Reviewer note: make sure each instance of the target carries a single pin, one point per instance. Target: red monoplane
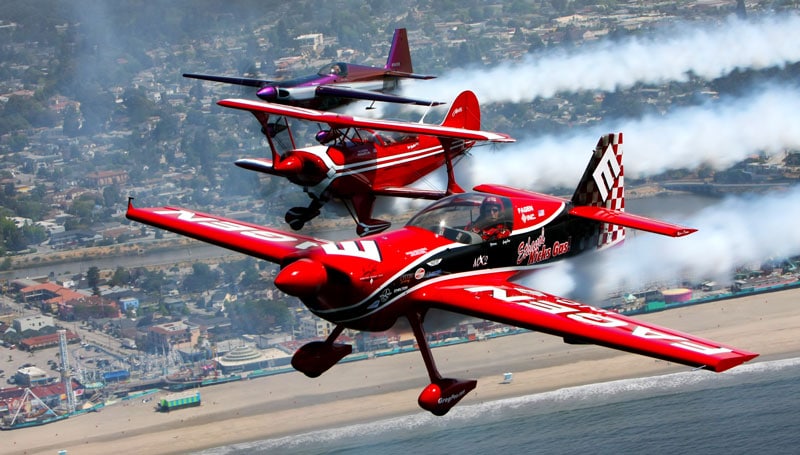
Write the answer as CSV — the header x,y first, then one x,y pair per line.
x,y
359,159
339,83
461,254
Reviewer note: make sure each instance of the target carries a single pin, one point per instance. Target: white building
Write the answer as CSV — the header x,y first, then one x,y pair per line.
x,y
37,322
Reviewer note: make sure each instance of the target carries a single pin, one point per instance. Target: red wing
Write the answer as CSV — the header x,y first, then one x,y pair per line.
x,y
264,243
501,301
340,120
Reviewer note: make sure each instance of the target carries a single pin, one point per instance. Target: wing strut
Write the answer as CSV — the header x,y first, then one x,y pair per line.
x,y
450,147
442,393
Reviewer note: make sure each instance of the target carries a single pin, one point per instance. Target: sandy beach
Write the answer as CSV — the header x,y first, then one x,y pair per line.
x,y
291,403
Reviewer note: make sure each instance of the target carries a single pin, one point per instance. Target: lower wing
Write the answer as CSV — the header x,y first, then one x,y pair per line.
x,y
258,241
369,95
501,301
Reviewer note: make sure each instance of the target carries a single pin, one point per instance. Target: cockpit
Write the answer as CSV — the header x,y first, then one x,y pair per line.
x,y
333,69
468,217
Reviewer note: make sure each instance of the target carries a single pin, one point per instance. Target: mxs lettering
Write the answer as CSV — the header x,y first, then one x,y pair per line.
x,y
228,226
588,315
480,261
360,249
536,251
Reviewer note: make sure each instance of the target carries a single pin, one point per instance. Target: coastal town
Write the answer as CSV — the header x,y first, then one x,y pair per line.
x,y
96,309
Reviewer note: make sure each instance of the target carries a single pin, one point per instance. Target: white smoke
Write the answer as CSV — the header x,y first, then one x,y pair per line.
x,y
672,54
717,134
737,231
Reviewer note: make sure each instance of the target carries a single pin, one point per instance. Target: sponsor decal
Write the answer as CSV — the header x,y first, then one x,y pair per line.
x,y
592,316
527,213
434,273
417,252
534,251
606,172
480,261
419,273
434,262
453,397
386,294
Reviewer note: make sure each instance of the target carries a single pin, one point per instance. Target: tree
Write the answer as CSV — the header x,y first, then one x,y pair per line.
x,y
121,277
72,121
202,278
93,279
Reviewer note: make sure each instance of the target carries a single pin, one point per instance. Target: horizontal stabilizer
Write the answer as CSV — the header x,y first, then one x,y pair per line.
x,y
629,220
409,75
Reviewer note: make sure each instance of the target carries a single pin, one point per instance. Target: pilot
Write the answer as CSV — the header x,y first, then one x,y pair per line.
x,y
490,223
335,69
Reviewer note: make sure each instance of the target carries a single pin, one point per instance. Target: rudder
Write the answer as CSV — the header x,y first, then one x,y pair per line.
x,y
602,185
465,112
399,55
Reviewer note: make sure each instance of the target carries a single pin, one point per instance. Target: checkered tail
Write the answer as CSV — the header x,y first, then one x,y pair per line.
x,y
602,185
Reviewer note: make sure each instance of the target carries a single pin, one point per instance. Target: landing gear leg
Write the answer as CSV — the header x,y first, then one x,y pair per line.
x,y
317,357
442,393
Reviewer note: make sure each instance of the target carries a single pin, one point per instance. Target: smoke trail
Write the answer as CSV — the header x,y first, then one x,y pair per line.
x,y
716,134
671,54
737,231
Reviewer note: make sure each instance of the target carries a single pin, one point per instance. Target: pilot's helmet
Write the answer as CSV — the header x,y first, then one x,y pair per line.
x,y
489,203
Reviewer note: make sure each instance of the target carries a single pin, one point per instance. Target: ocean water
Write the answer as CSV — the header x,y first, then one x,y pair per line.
x,y
751,409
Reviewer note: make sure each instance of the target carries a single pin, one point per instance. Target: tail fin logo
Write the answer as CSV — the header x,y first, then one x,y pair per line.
x,y
606,172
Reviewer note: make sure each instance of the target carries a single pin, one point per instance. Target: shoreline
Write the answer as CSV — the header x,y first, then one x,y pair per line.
x,y
379,388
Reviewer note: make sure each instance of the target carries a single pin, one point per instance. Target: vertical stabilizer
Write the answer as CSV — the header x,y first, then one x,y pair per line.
x,y
399,55
465,112
602,185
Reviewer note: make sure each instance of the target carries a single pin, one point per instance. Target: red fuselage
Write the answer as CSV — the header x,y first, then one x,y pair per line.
x,y
371,162
366,282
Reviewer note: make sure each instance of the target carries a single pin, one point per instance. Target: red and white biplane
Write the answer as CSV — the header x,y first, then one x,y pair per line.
x,y
359,159
461,254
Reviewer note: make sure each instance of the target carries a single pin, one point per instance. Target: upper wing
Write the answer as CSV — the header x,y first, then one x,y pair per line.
x,y
341,120
264,243
347,92
258,83
498,300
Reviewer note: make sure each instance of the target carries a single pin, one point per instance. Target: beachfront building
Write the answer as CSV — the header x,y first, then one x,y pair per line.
x,y
35,323
31,376
313,327
241,358
173,334
46,341
247,358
